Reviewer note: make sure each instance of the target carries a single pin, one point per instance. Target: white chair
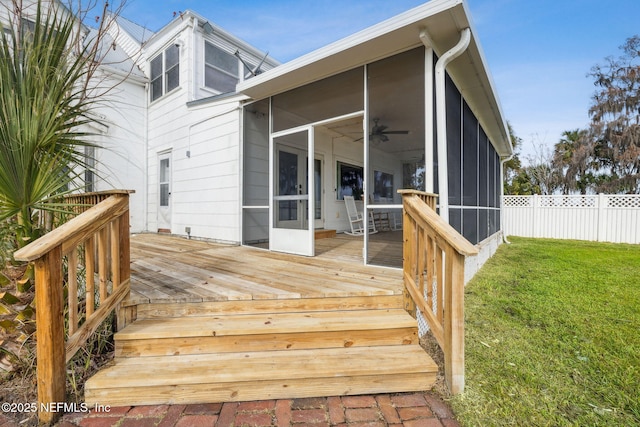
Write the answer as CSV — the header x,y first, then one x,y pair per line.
x,y
356,218
396,221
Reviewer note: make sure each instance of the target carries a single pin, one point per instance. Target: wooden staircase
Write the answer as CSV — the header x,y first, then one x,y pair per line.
x,y
264,349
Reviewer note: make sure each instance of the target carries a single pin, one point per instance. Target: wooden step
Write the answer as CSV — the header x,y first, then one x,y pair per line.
x,y
244,376
268,331
214,308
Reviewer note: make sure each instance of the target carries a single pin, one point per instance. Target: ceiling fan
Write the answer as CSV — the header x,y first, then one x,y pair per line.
x,y
379,132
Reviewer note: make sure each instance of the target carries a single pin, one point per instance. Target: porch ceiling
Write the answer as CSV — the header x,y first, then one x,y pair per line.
x,y
443,19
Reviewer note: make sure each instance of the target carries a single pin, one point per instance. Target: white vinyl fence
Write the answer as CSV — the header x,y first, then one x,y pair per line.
x,y
602,217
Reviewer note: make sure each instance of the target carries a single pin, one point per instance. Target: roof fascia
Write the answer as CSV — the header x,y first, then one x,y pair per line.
x,y
223,98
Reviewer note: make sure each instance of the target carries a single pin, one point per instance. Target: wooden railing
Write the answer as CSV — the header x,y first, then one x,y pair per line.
x,y
71,205
81,202
95,245
433,270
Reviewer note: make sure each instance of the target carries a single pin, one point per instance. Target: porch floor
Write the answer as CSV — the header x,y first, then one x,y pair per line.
x,y
173,269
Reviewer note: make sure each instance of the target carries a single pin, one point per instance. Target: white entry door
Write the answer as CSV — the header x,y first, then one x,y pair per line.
x,y
164,192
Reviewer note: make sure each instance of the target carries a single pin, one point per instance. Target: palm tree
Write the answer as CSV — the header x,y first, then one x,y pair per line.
x,y
43,106
572,157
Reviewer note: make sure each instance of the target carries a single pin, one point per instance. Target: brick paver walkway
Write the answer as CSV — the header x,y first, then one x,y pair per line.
x,y
407,409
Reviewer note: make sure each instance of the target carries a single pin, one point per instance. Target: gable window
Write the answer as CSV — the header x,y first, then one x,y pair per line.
x,y
165,72
221,69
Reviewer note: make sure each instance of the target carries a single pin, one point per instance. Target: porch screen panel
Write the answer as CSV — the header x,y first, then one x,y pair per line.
x,y
454,142
396,148
455,218
492,178
470,224
474,171
496,179
331,97
484,224
495,217
483,169
469,158
255,196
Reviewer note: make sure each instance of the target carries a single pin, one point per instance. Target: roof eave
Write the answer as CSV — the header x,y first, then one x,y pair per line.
x,y
443,19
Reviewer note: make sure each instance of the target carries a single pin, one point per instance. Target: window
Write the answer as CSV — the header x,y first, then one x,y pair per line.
x,y
165,72
413,175
164,182
382,185
28,26
221,69
350,181
89,174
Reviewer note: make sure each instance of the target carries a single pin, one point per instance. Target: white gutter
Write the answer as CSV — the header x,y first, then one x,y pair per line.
x,y
441,119
428,111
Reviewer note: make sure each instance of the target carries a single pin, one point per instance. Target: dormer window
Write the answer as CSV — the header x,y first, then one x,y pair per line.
x,y
165,72
221,69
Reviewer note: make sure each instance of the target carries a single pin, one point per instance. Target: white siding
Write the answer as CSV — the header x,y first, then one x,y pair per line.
x,y
121,164
204,143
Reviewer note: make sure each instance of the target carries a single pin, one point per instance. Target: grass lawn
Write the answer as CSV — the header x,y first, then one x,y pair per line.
x,y
553,336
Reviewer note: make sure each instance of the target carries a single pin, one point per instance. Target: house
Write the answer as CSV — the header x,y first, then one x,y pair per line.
x,y
218,153
222,143
215,136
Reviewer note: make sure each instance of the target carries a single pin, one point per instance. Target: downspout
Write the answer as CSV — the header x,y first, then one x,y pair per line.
x,y
441,119
428,111
502,162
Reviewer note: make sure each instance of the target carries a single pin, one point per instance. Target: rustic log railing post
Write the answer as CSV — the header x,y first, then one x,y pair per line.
x,y
433,271
104,227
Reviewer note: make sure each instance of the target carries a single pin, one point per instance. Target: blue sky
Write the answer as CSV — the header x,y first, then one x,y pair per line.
x,y
538,51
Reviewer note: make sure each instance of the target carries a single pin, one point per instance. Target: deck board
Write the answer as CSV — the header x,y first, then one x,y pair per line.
x,y
174,269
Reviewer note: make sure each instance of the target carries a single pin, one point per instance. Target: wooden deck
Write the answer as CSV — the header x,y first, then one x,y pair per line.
x,y
173,269
216,323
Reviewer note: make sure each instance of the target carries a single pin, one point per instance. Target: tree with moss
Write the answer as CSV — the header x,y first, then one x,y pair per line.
x,y
615,120
574,159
